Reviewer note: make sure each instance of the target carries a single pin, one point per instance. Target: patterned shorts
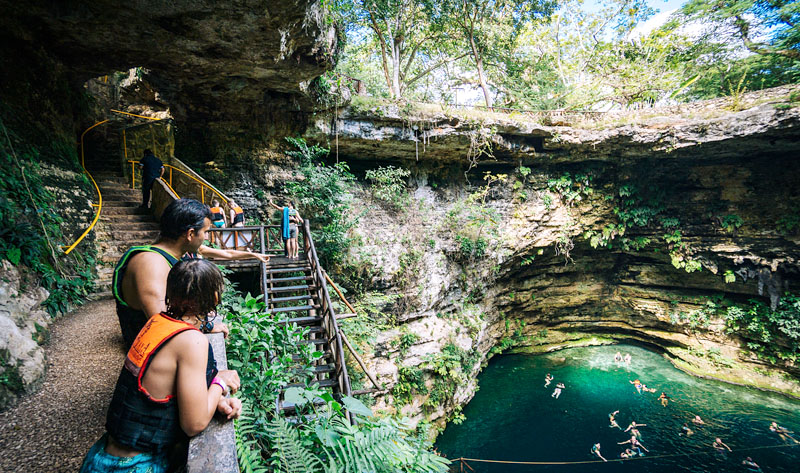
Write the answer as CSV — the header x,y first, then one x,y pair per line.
x,y
98,461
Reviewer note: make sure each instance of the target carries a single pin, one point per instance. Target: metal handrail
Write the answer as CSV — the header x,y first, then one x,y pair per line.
x,y
99,204
203,185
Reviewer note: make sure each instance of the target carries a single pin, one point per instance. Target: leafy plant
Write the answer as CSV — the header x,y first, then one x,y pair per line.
x,y
323,195
388,185
731,222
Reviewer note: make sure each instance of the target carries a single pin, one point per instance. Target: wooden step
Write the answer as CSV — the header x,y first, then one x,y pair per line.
x,y
292,298
293,278
289,288
325,356
291,309
325,383
309,320
314,341
288,270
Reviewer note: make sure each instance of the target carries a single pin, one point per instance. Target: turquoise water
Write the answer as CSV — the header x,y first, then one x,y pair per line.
x,y
514,417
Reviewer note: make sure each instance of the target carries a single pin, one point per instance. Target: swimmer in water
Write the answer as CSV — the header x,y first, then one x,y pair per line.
x,y
750,464
720,446
634,425
637,384
596,451
557,391
627,360
628,453
685,430
612,422
635,444
783,432
697,420
548,379
618,358
664,399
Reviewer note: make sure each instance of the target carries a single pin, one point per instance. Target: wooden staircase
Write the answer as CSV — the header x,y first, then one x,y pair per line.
x,y
297,289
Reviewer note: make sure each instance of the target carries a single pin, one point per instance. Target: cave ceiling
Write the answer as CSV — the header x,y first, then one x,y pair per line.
x,y
210,60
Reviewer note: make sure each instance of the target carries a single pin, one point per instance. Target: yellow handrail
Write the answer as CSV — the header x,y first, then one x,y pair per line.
x,y
203,185
99,204
99,195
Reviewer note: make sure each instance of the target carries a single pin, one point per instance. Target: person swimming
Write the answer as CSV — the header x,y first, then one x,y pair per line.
x,y
628,453
612,422
636,384
720,446
697,420
548,379
685,430
635,445
783,432
618,358
664,399
633,425
557,391
627,360
596,451
750,464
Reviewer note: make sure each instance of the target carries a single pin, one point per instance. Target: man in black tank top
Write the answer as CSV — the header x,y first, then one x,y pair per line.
x,y
140,278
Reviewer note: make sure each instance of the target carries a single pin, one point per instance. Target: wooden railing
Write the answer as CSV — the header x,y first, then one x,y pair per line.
x,y
328,314
248,238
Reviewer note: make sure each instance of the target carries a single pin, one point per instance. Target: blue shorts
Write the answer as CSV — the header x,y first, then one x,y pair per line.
x,y
98,461
219,223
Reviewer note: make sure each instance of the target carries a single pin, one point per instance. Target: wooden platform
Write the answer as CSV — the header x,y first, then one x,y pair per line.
x,y
275,261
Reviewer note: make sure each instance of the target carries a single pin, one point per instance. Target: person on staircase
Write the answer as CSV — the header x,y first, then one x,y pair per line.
x,y
140,277
218,220
237,215
290,219
169,387
152,169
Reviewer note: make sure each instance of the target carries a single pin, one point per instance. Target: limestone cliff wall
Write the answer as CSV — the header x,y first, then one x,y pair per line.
x,y
727,178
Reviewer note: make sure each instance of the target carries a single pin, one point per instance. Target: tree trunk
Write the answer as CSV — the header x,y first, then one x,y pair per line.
x,y
479,63
384,60
396,64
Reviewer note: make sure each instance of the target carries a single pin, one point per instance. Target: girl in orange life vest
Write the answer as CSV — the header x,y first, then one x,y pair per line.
x,y
169,386
237,215
217,214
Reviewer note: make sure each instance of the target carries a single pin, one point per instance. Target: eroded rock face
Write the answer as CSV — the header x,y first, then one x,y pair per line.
x,y
23,327
726,177
210,60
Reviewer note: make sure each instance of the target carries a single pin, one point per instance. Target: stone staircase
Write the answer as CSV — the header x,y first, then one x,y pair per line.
x,y
122,222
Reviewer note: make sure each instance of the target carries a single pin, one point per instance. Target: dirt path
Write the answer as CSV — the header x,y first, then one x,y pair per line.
x,y
51,430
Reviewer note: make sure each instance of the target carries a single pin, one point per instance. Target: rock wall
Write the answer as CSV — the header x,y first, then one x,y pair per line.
x,y
725,179
23,329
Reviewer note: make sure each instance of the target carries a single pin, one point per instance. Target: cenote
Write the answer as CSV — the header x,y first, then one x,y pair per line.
x,y
513,416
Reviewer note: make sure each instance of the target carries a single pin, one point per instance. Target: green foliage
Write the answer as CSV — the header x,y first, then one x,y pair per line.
x,y
388,185
472,223
731,222
261,350
774,336
729,276
571,189
789,224
33,230
410,381
324,198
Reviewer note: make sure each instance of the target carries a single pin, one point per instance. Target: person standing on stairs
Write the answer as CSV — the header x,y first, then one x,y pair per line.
x,y
290,218
218,220
237,215
152,169
169,386
140,277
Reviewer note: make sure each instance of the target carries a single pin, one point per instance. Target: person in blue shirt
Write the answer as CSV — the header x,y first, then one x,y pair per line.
x,y
152,169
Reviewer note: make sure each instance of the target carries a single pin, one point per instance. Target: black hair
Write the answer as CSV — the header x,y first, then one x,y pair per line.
x,y
182,215
194,287
215,202
147,151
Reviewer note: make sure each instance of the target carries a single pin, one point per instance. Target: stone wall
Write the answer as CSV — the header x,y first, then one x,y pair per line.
x,y
23,330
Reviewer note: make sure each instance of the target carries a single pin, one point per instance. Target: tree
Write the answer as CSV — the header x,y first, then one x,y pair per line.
x,y
766,27
489,26
409,48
